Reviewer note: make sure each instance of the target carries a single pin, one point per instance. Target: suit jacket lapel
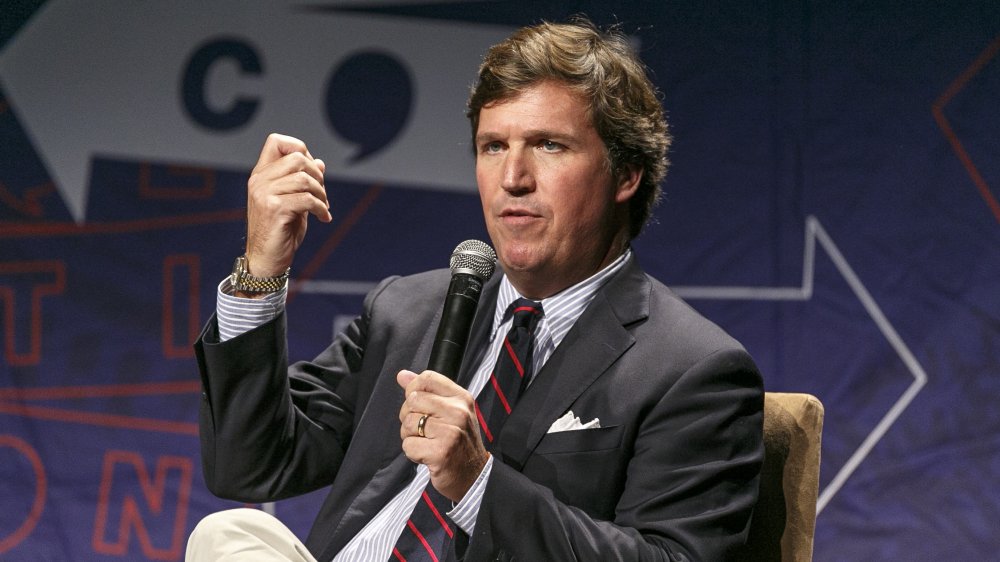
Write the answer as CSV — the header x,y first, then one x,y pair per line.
x,y
595,342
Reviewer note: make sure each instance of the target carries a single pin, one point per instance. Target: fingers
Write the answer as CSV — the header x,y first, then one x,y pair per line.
x,y
292,173
411,426
440,444
404,377
428,381
289,191
278,145
285,187
435,394
421,425
438,428
429,393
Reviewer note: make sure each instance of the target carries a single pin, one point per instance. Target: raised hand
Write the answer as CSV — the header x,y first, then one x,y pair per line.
x,y
285,187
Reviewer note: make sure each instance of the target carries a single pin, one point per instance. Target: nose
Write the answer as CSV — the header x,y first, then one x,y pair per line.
x,y
517,172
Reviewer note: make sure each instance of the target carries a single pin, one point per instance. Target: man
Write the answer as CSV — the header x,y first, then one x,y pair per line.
x,y
663,462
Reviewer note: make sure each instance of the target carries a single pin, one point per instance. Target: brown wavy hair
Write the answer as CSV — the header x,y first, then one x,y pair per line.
x,y
606,71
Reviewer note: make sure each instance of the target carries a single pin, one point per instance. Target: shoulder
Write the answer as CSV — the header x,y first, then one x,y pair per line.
x,y
691,355
409,287
642,302
671,311
411,297
678,327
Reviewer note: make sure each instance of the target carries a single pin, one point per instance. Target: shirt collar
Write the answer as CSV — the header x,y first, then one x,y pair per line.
x,y
561,310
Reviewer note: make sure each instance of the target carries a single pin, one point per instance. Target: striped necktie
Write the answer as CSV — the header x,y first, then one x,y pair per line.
x,y
512,372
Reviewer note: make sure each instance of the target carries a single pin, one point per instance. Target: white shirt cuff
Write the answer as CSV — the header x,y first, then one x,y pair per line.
x,y
464,513
239,315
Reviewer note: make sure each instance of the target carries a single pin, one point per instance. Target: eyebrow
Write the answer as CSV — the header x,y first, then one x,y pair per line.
x,y
531,134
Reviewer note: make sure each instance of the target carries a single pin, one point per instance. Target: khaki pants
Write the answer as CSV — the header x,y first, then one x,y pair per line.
x,y
244,534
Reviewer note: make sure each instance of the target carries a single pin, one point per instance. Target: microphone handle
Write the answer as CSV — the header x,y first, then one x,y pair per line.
x,y
456,321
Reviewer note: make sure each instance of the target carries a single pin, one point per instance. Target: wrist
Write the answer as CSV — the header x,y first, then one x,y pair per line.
x,y
247,285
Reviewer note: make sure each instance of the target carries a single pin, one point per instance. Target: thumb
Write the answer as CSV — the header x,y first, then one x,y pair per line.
x,y
404,378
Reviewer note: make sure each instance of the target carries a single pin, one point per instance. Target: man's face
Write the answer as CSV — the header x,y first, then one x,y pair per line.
x,y
553,210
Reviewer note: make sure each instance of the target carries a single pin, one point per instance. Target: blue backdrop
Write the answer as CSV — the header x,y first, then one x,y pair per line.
x,y
832,202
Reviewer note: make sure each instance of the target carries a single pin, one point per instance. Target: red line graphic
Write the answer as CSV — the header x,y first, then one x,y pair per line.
x,y
41,485
153,494
53,269
99,419
175,267
30,205
938,110
12,401
101,391
149,191
37,230
350,220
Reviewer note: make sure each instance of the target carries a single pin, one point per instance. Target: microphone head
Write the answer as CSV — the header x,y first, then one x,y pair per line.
x,y
475,258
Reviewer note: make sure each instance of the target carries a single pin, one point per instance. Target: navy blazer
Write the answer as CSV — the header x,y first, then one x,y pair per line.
x,y
671,474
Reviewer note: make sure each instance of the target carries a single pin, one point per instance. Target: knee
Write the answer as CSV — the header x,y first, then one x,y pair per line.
x,y
244,534
220,527
227,520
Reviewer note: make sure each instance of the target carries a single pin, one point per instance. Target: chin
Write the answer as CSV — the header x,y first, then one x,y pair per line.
x,y
511,266
517,258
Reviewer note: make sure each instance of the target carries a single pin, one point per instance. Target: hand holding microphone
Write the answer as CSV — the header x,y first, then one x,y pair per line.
x,y
438,420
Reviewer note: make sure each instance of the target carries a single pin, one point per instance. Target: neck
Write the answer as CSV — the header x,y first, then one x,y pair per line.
x,y
538,285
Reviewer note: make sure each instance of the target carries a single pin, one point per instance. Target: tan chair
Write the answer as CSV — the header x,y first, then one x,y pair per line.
x,y
784,519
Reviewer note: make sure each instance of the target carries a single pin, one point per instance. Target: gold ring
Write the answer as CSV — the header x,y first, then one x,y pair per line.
x,y
421,423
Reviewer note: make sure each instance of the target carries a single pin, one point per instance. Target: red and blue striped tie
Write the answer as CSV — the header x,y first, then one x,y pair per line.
x,y
512,372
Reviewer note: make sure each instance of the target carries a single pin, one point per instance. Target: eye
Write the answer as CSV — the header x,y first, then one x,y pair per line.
x,y
492,147
550,146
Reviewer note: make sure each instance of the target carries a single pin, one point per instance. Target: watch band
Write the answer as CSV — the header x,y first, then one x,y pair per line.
x,y
242,281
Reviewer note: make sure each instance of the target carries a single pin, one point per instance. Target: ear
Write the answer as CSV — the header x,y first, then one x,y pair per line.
x,y
628,182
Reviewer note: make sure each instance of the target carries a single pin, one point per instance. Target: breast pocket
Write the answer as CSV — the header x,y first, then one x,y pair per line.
x,y
583,468
581,440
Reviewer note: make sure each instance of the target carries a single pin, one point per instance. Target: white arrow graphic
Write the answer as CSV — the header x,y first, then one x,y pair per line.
x,y
105,79
815,233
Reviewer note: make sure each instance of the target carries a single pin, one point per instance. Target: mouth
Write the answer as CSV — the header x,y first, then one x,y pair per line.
x,y
518,213
518,218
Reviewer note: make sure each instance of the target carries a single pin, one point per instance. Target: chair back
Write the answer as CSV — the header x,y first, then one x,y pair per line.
x,y
784,518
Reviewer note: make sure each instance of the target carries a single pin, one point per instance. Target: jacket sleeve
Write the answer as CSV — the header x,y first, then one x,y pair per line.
x,y
270,431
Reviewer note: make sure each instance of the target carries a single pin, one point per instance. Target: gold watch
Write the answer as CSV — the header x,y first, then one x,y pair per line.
x,y
242,281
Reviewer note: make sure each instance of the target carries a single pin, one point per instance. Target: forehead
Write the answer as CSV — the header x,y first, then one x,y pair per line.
x,y
544,105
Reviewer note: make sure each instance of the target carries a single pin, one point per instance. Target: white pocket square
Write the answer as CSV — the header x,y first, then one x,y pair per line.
x,y
570,422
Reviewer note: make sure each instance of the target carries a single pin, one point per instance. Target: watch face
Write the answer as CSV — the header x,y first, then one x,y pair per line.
x,y
236,277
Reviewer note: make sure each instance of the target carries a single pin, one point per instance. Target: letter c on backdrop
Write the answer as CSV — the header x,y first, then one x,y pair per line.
x,y
242,109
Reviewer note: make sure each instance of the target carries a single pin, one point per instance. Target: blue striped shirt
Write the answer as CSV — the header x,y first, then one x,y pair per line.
x,y
560,311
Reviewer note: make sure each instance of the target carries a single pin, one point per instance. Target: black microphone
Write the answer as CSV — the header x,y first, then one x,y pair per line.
x,y
472,263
